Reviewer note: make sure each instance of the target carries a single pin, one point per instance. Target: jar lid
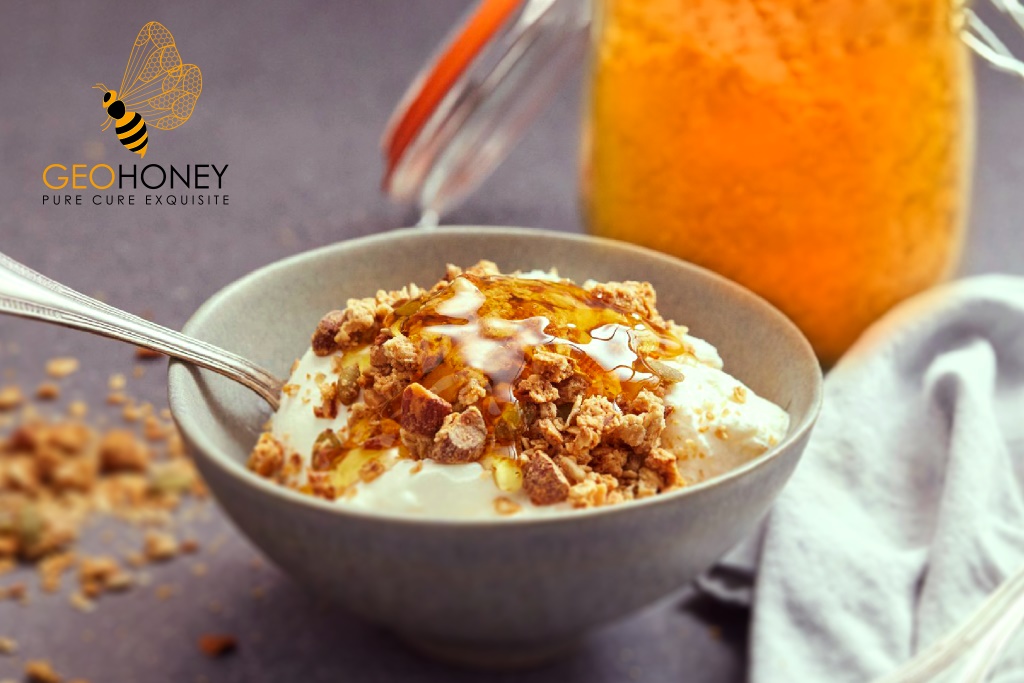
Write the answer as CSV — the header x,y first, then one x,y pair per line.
x,y
470,104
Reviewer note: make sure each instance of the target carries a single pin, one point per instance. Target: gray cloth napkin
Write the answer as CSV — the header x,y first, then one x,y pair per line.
x,y
907,509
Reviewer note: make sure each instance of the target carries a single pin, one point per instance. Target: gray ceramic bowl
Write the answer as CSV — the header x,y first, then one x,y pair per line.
x,y
506,591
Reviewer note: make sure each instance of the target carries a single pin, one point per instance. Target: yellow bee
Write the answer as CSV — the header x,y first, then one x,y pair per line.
x,y
156,87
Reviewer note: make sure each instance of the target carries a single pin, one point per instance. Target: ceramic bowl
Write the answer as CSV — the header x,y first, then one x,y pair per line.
x,y
497,592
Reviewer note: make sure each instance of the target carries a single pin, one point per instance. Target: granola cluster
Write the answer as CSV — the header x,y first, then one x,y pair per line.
x,y
568,439
57,473
62,471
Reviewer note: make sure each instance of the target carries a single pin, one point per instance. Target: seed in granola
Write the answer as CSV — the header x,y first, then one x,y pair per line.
x,y
348,385
664,371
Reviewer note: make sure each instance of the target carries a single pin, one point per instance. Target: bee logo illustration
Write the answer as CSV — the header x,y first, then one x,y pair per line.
x,y
156,87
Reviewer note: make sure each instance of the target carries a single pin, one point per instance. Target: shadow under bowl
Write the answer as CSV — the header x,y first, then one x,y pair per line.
x,y
496,592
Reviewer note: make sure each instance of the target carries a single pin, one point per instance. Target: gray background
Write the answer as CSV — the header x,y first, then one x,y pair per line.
x,y
295,97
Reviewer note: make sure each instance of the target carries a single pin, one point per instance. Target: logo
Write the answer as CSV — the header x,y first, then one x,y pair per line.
x,y
157,91
156,87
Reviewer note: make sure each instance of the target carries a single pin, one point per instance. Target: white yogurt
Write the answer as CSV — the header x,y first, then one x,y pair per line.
x,y
712,428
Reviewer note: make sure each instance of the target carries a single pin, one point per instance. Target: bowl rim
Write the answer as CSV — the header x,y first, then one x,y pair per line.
x,y
178,370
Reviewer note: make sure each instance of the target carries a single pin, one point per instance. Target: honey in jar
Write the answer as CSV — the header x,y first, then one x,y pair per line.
x,y
816,151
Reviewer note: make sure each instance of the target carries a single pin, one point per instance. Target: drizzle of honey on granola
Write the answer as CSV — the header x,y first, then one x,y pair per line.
x,y
492,325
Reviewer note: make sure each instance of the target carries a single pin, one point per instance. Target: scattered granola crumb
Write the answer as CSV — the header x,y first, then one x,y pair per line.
x,y
59,368
267,457
217,644
78,409
147,354
100,574
159,546
40,671
165,591
80,602
52,567
10,397
8,646
120,451
506,506
48,391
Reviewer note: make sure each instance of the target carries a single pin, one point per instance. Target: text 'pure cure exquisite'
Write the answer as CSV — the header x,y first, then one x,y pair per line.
x,y
178,183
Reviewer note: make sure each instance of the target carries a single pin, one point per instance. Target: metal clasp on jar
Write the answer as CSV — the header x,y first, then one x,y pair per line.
x,y
984,41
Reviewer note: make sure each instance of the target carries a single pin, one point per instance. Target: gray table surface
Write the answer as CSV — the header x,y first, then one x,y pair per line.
x,y
295,97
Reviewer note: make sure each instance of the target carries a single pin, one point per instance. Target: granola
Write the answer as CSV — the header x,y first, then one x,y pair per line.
x,y
567,396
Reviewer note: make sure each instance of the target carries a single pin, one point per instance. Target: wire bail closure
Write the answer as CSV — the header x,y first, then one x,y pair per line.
x,y
984,41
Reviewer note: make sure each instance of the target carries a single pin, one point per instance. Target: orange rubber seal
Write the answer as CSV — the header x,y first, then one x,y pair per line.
x,y
479,28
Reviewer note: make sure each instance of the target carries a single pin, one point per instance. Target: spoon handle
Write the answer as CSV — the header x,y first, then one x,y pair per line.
x,y
27,294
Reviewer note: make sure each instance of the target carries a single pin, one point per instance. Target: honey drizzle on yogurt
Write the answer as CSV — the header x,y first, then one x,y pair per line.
x,y
493,324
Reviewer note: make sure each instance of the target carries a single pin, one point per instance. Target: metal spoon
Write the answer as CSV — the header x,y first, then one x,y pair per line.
x,y
27,294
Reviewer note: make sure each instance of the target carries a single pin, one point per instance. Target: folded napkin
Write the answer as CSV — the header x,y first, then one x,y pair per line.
x,y
907,509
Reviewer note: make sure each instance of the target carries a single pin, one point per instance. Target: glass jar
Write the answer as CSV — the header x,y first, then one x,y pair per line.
x,y
817,151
